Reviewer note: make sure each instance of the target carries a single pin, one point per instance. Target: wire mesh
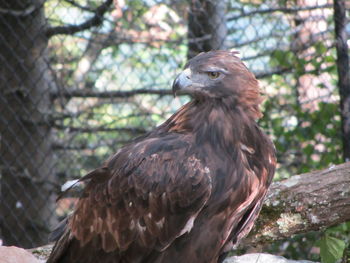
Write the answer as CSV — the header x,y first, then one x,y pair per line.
x,y
79,79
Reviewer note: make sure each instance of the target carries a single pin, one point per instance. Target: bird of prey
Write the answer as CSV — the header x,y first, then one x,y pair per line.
x,y
188,190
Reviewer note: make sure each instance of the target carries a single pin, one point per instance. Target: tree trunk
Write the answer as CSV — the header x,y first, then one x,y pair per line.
x,y
26,158
343,73
206,26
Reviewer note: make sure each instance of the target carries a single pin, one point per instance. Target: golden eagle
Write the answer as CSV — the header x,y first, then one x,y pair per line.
x,y
186,191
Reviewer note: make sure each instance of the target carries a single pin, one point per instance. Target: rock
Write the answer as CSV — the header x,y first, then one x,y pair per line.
x,y
16,255
262,258
42,252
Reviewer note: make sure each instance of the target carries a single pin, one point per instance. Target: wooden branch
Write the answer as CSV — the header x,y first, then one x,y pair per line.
x,y
303,203
277,34
268,73
315,38
85,146
132,130
109,94
96,20
19,13
85,8
120,36
286,10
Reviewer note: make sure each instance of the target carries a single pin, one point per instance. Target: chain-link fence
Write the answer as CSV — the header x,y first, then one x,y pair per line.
x,y
80,78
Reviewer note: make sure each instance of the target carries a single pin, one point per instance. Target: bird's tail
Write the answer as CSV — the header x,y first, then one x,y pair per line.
x,y
60,247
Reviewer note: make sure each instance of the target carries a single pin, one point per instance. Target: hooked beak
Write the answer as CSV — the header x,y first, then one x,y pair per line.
x,y
182,83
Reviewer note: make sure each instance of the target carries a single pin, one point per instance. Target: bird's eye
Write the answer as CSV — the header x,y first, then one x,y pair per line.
x,y
213,74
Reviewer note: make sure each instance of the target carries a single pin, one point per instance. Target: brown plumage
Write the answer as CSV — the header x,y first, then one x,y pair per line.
x,y
187,191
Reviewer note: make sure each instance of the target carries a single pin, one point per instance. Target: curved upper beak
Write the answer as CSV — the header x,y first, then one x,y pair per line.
x,y
182,82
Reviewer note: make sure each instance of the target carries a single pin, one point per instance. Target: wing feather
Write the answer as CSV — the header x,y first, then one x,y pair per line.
x,y
148,198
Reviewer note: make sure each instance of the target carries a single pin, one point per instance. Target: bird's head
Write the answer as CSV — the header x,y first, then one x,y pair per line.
x,y
219,75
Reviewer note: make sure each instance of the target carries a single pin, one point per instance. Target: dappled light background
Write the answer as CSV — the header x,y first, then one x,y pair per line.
x,y
82,78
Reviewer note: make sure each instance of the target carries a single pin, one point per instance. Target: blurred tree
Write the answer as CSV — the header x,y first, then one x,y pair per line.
x,y
27,162
28,176
343,67
207,27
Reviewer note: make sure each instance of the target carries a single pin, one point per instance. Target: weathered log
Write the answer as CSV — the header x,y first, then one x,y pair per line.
x,y
303,203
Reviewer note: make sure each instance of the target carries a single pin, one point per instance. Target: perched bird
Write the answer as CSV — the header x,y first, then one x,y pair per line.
x,y
186,191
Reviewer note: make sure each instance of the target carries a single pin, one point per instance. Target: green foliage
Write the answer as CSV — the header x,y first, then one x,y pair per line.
x,y
331,249
307,135
284,59
333,243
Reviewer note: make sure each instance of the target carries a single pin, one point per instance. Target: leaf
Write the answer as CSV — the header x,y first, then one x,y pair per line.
x,y
332,249
320,48
341,228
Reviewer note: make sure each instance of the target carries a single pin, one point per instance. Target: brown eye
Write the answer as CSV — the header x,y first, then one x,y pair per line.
x,y
213,74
